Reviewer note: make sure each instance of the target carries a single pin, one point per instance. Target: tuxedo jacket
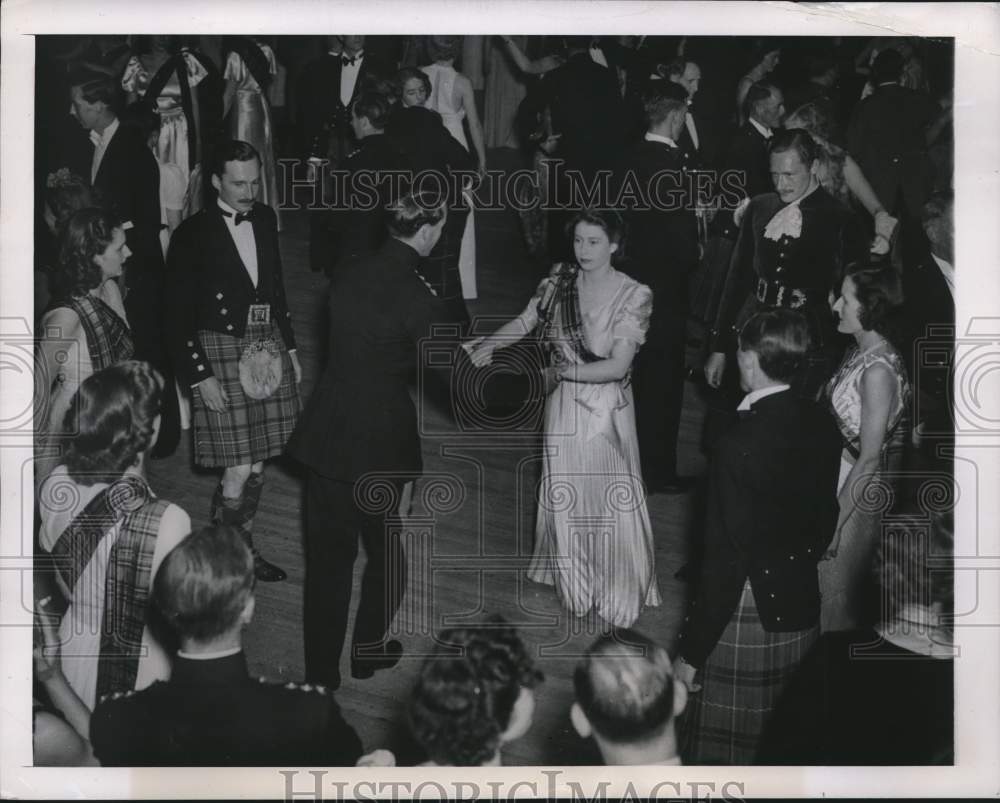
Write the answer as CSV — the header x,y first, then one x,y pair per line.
x,y
360,417
831,238
662,243
128,183
929,314
772,510
208,286
326,122
212,713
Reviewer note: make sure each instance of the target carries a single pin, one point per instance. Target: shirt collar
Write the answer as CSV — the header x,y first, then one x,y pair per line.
x,y
226,207
755,396
106,135
765,132
651,137
209,656
947,270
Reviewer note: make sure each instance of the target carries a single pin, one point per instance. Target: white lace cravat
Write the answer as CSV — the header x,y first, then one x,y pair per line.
x,y
787,221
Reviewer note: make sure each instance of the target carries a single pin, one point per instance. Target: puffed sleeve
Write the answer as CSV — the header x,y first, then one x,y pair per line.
x,y
195,69
632,319
132,75
235,70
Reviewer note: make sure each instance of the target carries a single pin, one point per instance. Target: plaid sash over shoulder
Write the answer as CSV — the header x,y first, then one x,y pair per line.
x,y
129,502
109,339
566,299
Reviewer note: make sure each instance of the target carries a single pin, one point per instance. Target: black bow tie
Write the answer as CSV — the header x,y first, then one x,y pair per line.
x,y
349,60
239,217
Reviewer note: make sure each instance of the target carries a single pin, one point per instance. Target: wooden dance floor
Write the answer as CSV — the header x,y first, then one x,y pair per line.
x,y
469,539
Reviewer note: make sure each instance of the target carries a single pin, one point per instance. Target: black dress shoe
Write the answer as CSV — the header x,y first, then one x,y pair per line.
x,y
365,666
266,571
673,486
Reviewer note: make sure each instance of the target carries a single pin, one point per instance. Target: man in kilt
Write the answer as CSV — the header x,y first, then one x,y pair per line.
x,y
232,340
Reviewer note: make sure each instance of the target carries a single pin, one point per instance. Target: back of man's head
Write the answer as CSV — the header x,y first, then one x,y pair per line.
x,y
780,339
625,687
204,584
662,99
887,67
758,94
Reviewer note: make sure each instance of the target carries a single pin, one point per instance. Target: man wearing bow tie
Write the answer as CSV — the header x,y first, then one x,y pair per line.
x,y
123,171
327,89
232,340
793,246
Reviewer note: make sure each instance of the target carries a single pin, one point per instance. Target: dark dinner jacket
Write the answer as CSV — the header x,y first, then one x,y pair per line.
x,y
360,417
208,286
748,153
772,509
212,713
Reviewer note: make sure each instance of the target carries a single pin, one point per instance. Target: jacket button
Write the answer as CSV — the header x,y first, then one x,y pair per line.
x,y
219,296
201,367
777,618
772,595
190,343
229,327
791,557
194,355
224,311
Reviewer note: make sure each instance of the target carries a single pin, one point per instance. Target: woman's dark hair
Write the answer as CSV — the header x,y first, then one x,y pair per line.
x,y
110,419
466,692
760,48
85,235
880,294
203,584
609,221
407,73
795,139
780,339
66,193
413,211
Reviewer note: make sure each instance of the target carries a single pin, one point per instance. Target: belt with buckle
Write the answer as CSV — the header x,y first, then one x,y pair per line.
x,y
776,294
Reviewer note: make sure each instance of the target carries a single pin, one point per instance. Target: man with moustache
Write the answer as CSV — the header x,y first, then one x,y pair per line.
x,y
232,340
792,248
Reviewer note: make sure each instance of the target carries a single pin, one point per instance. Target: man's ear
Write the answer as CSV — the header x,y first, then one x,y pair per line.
x,y
680,697
216,182
247,615
580,722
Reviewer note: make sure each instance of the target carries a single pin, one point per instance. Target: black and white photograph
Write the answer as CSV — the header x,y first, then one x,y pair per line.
x,y
439,402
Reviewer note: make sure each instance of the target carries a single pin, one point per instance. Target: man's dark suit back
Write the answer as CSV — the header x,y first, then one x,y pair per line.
x,y
747,153
360,417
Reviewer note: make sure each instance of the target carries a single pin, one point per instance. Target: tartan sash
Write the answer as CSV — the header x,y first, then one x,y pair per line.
x,y
109,339
566,300
129,502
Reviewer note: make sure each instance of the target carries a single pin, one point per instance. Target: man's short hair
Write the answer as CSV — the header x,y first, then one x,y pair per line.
x,y
625,686
231,150
662,99
758,94
888,66
376,106
780,338
795,139
98,87
413,211
203,584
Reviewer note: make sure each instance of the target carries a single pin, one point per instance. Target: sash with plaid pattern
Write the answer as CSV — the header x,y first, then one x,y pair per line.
x,y
128,501
566,299
109,340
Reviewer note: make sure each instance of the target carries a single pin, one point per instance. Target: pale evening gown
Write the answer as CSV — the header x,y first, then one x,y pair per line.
x,y
593,538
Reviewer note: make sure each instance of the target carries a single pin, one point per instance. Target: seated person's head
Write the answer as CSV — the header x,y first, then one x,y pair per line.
x,y
113,419
369,113
626,698
417,219
772,346
413,87
473,695
204,587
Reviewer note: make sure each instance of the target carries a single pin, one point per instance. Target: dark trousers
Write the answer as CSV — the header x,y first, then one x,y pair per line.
x,y
658,386
334,523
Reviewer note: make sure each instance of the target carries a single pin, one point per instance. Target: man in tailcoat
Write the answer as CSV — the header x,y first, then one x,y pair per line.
x,y
662,249
327,88
211,712
232,339
359,443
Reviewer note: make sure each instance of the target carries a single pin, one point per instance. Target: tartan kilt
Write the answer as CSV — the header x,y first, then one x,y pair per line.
x,y
250,430
741,683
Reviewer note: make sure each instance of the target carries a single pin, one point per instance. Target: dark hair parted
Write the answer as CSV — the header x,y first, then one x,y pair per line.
x,y
413,211
408,74
203,584
625,686
375,106
111,419
85,235
663,98
231,150
97,87
609,221
780,338
795,139
466,692
880,294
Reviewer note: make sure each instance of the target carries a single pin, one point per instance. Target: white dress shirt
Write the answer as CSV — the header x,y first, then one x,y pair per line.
x,y
101,141
689,124
242,235
765,132
349,77
755,396
650,137
948,271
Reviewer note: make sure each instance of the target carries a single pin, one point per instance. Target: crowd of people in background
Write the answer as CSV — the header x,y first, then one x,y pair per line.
x,y
808,253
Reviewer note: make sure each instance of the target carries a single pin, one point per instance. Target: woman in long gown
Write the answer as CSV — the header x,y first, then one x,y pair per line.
x,y
250,64
451,97
593,538
869,395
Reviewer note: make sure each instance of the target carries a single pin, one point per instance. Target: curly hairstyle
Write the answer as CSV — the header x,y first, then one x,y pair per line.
x,y
413,211
111,420
466,692
66,193
880,295
406,74
85,235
